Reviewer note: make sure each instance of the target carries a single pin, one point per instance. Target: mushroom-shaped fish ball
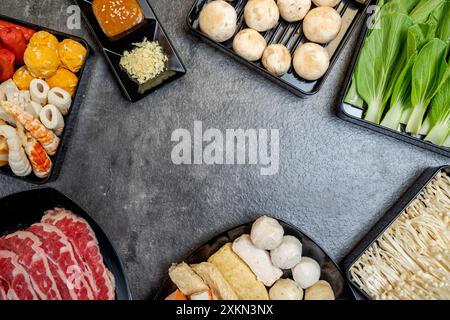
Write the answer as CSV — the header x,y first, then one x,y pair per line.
x,y
293,10
267,233
249,44
288,254
326,3
261,15
311,61
322,24
218,20
276,59
320,291
285,289
306,273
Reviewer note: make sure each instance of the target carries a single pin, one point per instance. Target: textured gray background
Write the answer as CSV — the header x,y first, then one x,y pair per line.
x,y
335,179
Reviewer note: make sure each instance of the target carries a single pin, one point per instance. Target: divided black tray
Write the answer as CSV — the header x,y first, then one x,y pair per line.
x,y
113,50
330,271
20,210
70,119
289,34
354,114
389,217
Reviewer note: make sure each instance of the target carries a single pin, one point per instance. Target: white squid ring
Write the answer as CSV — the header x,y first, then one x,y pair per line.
x,y
52,119
39,91
61,99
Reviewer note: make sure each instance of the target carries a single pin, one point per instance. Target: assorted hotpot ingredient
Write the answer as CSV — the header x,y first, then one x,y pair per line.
x,y
37,82
38,78
57,258
321,24
410,259
253,267
402,77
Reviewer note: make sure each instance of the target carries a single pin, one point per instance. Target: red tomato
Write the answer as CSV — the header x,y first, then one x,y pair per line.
x,y
13,40
6,64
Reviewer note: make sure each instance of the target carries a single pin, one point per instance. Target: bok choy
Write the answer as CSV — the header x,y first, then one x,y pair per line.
x,y
424,9
439,116
418,36
377,62
430,71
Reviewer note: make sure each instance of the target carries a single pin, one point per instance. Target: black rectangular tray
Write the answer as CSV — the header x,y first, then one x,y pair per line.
x,y
387,219
113,50
289,34
354,114
20,210
71,118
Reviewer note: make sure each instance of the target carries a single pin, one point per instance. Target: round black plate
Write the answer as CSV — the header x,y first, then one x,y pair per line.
x,y
330,271
20,210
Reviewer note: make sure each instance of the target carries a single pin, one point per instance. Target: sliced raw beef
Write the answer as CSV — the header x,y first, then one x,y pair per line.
x,y
83,239
3,286
60,252
15,282
30,255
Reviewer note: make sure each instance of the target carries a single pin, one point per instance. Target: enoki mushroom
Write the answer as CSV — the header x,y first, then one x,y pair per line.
x,y
411,259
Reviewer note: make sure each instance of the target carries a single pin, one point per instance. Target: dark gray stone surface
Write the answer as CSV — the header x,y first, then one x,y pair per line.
x,y
335,179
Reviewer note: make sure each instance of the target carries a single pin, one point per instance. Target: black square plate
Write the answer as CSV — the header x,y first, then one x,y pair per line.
x,y
20,210
70,119
113,50
289,34
330,271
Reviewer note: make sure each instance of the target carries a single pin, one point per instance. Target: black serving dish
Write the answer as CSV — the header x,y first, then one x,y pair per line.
x,y
20,210
289,34
388,218
330,271
71,118
113,50
354,114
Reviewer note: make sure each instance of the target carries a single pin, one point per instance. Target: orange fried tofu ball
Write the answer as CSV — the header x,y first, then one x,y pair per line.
x,y
64,79
41,61
72,54
43,38
22,78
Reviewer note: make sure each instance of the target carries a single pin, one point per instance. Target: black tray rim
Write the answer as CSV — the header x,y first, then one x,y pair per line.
x,y
367,124
166,281
77,102
388,218
264,73
94,225
110,64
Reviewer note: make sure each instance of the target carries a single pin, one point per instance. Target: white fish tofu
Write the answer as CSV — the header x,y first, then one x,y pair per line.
x,y
257,259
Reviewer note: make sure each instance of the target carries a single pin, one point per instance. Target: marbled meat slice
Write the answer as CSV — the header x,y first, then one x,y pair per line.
x,y
30,255
60,251
82,237
15,282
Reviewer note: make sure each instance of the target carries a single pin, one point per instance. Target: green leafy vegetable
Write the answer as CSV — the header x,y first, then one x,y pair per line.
x,y
439,116
353,97
418,36
430,71
377,62
442,19
399,6
423,10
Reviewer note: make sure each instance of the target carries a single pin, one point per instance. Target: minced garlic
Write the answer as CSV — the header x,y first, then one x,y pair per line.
x,y
145,61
